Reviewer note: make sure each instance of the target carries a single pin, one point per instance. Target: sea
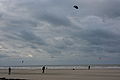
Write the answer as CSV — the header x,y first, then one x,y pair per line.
x,y
93,66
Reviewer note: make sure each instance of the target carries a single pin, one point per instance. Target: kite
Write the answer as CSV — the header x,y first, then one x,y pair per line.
x,y
76,7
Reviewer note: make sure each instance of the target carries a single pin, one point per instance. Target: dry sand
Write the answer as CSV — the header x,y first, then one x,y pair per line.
x,y
35,74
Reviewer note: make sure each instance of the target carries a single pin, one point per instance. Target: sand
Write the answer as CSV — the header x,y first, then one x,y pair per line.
x,y
35,74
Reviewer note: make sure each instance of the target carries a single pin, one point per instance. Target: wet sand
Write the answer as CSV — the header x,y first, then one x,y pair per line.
x,y
36,74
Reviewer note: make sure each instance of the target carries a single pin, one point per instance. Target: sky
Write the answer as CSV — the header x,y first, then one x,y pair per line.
x,y
53,32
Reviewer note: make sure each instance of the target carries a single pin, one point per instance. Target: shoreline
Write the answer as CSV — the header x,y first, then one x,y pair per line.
x,y
97,66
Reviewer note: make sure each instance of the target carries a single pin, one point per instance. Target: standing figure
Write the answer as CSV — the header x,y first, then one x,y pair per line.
x,y
43,69
9,70
89,67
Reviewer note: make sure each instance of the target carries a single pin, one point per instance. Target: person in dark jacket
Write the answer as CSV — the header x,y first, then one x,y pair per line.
x,y
89,67
9,70
43,69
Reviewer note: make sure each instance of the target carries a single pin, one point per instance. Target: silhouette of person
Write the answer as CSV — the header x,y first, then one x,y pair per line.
x,y
89,67
43,69
9,70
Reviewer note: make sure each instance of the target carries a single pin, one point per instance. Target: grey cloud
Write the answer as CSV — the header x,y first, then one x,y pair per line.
x,y
32,38
96,36
53,51
52,11
111,8
1,15
3,56
105,40
56,20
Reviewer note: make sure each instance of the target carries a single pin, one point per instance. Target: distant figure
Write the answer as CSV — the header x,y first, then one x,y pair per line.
x,y
9,70
43,69
89,67
73,68
22,61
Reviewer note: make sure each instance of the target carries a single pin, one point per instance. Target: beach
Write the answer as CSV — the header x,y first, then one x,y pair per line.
x,y
62,74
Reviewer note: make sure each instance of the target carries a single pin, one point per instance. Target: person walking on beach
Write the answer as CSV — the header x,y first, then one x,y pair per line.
x,y
9,70
43,69
89,67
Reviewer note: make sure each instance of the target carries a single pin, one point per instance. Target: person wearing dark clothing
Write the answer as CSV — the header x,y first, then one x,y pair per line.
x,y
43,69
89,67
9,70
